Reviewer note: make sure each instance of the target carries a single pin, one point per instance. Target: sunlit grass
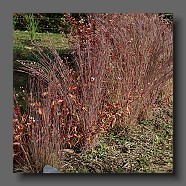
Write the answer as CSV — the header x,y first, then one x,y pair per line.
x,y
22,38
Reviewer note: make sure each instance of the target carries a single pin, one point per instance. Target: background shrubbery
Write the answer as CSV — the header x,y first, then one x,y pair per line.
x,y
47,22
55,22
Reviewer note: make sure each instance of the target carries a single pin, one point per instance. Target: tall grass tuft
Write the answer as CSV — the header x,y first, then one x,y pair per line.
x,y
61,113
31,25
137,50
122,61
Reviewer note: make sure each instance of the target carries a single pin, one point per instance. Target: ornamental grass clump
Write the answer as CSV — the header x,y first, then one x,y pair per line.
x,y
122,61
137,51
60,113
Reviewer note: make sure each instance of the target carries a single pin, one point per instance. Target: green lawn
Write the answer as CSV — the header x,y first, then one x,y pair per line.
x,y
22,39
23,50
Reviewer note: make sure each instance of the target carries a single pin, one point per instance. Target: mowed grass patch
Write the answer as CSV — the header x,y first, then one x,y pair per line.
x,y
23,49
22,39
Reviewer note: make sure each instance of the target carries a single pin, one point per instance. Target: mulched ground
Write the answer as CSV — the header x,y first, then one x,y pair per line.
x,y
144,148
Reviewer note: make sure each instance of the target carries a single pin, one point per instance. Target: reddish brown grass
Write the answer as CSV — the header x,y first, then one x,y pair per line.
x,y
122,62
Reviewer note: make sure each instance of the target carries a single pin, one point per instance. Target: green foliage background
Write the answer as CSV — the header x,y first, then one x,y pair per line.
x,y
55,22
47,22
